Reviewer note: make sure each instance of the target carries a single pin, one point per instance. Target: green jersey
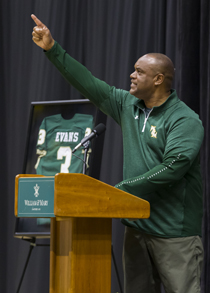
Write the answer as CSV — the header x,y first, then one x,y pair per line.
x,y
56,140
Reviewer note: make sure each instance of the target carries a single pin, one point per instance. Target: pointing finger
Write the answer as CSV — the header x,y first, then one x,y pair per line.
x,y
37,21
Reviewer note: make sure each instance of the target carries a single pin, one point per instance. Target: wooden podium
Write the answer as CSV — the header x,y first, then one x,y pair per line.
x,y
80,244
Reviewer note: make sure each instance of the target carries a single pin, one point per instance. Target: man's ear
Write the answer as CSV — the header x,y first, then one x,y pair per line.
x,y
159,78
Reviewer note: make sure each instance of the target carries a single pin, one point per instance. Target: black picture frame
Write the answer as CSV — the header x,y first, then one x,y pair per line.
x,y
27,228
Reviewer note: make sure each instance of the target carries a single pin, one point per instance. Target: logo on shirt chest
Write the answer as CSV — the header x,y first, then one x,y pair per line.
x,y
153,131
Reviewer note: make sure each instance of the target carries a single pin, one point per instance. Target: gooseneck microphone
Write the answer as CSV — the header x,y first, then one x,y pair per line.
x,y
99,129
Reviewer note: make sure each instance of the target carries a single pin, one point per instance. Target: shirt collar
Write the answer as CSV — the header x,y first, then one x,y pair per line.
x,y
171,100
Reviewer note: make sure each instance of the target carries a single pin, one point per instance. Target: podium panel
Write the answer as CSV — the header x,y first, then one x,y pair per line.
x,y
80,262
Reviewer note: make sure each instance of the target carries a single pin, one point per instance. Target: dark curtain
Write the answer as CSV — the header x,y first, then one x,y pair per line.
x,y
108,37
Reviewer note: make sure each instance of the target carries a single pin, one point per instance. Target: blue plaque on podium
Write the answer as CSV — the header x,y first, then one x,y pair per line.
x,y
36,197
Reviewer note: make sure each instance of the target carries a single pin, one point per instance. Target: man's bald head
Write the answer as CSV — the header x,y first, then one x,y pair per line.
x,y
152,78
161,64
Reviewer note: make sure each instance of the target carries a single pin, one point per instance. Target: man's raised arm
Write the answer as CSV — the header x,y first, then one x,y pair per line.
x,y
41,35
97,91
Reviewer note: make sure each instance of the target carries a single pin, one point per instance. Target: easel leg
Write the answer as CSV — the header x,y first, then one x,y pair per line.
x,y
32,244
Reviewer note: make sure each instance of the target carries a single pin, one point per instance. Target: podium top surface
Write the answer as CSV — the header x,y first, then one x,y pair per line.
x,y
79,195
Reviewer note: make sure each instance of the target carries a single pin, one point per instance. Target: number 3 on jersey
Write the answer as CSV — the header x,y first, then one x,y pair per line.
x,y
67,153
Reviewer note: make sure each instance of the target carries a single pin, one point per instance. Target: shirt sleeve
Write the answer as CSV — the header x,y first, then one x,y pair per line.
x,y
41,141
41,147
182,148
107,98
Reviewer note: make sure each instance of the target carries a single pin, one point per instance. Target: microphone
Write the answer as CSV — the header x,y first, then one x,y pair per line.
x,y
99,129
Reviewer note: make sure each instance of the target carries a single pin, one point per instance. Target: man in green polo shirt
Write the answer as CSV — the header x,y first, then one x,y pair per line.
x,y
161,142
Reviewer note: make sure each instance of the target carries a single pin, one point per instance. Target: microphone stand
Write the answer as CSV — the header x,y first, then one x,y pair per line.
x,y
86,148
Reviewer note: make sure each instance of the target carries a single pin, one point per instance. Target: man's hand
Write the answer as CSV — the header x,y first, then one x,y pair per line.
x,y
41,35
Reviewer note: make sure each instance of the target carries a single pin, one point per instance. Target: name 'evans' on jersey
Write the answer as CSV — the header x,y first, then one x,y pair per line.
x,y
67,136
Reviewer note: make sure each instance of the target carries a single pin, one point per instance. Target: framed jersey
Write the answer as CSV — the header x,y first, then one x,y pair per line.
x,y
57,138
54,129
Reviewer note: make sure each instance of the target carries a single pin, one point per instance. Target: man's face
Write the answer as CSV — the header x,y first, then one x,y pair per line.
x,y
142,79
